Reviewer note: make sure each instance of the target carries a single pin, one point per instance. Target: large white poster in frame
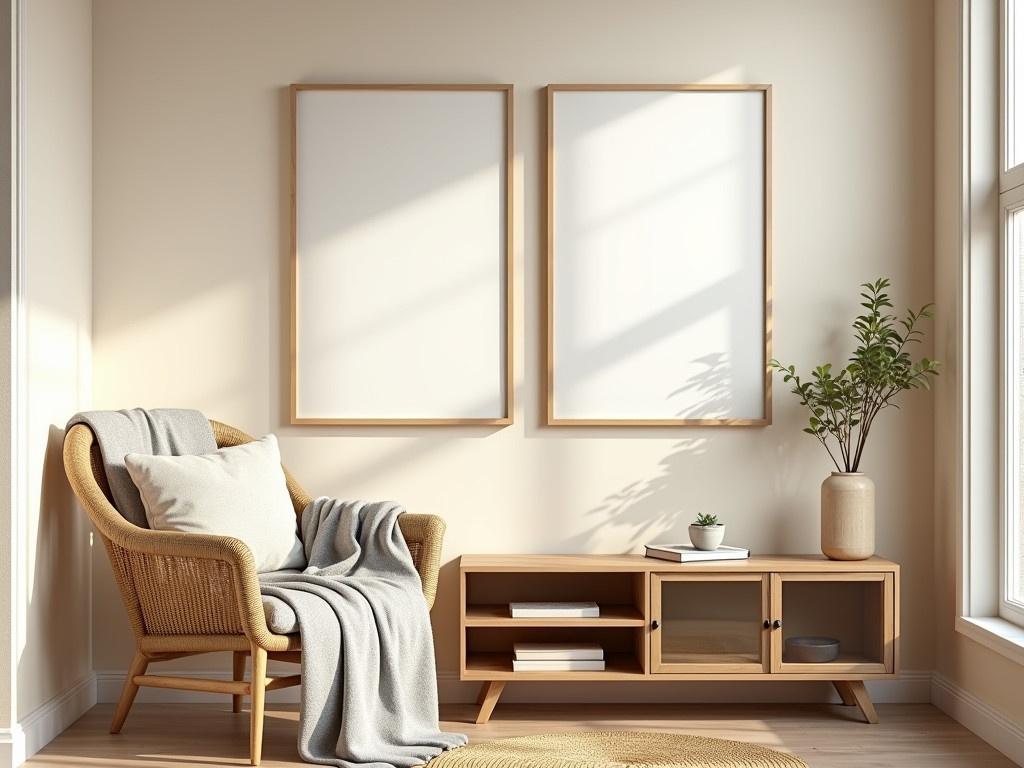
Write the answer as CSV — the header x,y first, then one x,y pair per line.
x,y
401,262
658,255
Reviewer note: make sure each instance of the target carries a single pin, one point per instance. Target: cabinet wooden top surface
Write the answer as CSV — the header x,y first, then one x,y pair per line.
x,y
640,564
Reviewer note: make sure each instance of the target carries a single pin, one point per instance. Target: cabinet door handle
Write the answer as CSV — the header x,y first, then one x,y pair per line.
x,y
767,624
777,624
655,624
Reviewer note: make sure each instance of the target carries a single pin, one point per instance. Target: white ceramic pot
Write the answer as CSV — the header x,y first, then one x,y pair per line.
x,y
707,537
848,516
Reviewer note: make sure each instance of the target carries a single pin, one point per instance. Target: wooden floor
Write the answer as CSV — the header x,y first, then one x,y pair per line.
x,y
181,735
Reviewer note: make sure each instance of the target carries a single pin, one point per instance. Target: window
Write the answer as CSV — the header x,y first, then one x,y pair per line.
x,y
990,388
1011,199
1012,597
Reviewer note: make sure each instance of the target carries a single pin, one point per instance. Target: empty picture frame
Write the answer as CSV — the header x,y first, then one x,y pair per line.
x,y
658,255
401,259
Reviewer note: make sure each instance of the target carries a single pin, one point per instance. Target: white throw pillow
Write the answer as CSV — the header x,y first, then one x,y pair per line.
x,y
238,491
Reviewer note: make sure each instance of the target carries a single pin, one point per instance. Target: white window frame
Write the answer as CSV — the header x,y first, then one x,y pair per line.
x,y
1011,200
982,395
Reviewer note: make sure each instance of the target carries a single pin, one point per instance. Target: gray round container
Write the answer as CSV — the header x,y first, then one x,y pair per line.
x,y
811,650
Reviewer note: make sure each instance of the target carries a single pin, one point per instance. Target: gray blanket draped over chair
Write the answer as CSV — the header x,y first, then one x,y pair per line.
x,y
369,690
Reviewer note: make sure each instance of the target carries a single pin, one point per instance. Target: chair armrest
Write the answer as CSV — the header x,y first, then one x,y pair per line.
x,y
193,584
425,534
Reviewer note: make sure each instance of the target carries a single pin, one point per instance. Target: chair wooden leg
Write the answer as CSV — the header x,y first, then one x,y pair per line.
x,y
237,673
138,667
258,685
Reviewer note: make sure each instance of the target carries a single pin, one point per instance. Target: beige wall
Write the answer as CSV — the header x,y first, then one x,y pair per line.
x,y
191,234
54,651
991,677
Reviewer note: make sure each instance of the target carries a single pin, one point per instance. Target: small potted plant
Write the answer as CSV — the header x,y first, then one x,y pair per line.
x,y
707,533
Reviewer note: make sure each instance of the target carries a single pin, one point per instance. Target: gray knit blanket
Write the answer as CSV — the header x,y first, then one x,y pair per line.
x,y
369,690
158,432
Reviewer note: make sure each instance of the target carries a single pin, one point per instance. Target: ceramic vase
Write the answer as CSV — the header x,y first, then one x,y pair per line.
x,y
848,516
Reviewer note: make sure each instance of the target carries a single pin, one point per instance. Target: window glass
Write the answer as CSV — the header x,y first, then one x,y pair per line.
x,y
1014,83
1015,521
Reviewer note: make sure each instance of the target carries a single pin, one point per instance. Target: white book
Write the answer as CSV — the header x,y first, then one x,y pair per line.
x,y
681,553
558,651
565,665
583,610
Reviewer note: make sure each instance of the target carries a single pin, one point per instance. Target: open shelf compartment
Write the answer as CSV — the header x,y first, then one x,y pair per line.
x,y
489,631
620,597
489,651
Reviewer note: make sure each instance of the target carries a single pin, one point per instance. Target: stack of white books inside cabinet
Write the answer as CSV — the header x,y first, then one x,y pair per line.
x,y
586,609
557,657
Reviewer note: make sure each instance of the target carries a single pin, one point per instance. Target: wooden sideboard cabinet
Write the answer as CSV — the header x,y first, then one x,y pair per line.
x,y
699,621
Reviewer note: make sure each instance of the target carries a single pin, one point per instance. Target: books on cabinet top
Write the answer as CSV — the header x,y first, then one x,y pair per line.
x,y
682,553
558,651
577,610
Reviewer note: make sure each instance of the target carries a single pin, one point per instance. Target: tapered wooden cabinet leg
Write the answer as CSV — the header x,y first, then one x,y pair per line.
x,y
256,697
138,667
843,689
488,699
237,673
860,696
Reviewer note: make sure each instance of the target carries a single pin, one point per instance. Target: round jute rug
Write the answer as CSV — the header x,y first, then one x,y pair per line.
x,y
615,749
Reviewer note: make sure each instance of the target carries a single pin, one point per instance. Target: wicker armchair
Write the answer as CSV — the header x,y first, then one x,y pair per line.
x,y
189,593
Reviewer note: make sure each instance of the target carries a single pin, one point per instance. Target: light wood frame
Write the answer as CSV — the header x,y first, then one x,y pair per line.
x,y
494,670
509,379
551,419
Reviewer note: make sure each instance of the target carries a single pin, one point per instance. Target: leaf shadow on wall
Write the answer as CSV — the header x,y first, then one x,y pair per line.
x,y
661,507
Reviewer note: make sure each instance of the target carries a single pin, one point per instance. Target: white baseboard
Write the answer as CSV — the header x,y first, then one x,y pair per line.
x,y
977,716
911,687
46,722
12,747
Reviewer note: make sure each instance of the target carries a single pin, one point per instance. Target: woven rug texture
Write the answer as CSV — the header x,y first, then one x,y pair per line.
x,y
615,749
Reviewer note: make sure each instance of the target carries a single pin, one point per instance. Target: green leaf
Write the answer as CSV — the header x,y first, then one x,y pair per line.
x,y
843,401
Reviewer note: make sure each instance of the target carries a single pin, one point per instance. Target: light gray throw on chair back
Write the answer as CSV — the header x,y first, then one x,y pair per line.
x,y
158,432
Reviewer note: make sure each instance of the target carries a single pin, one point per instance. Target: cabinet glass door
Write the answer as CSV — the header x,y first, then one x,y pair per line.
x,y
843,622
709,623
